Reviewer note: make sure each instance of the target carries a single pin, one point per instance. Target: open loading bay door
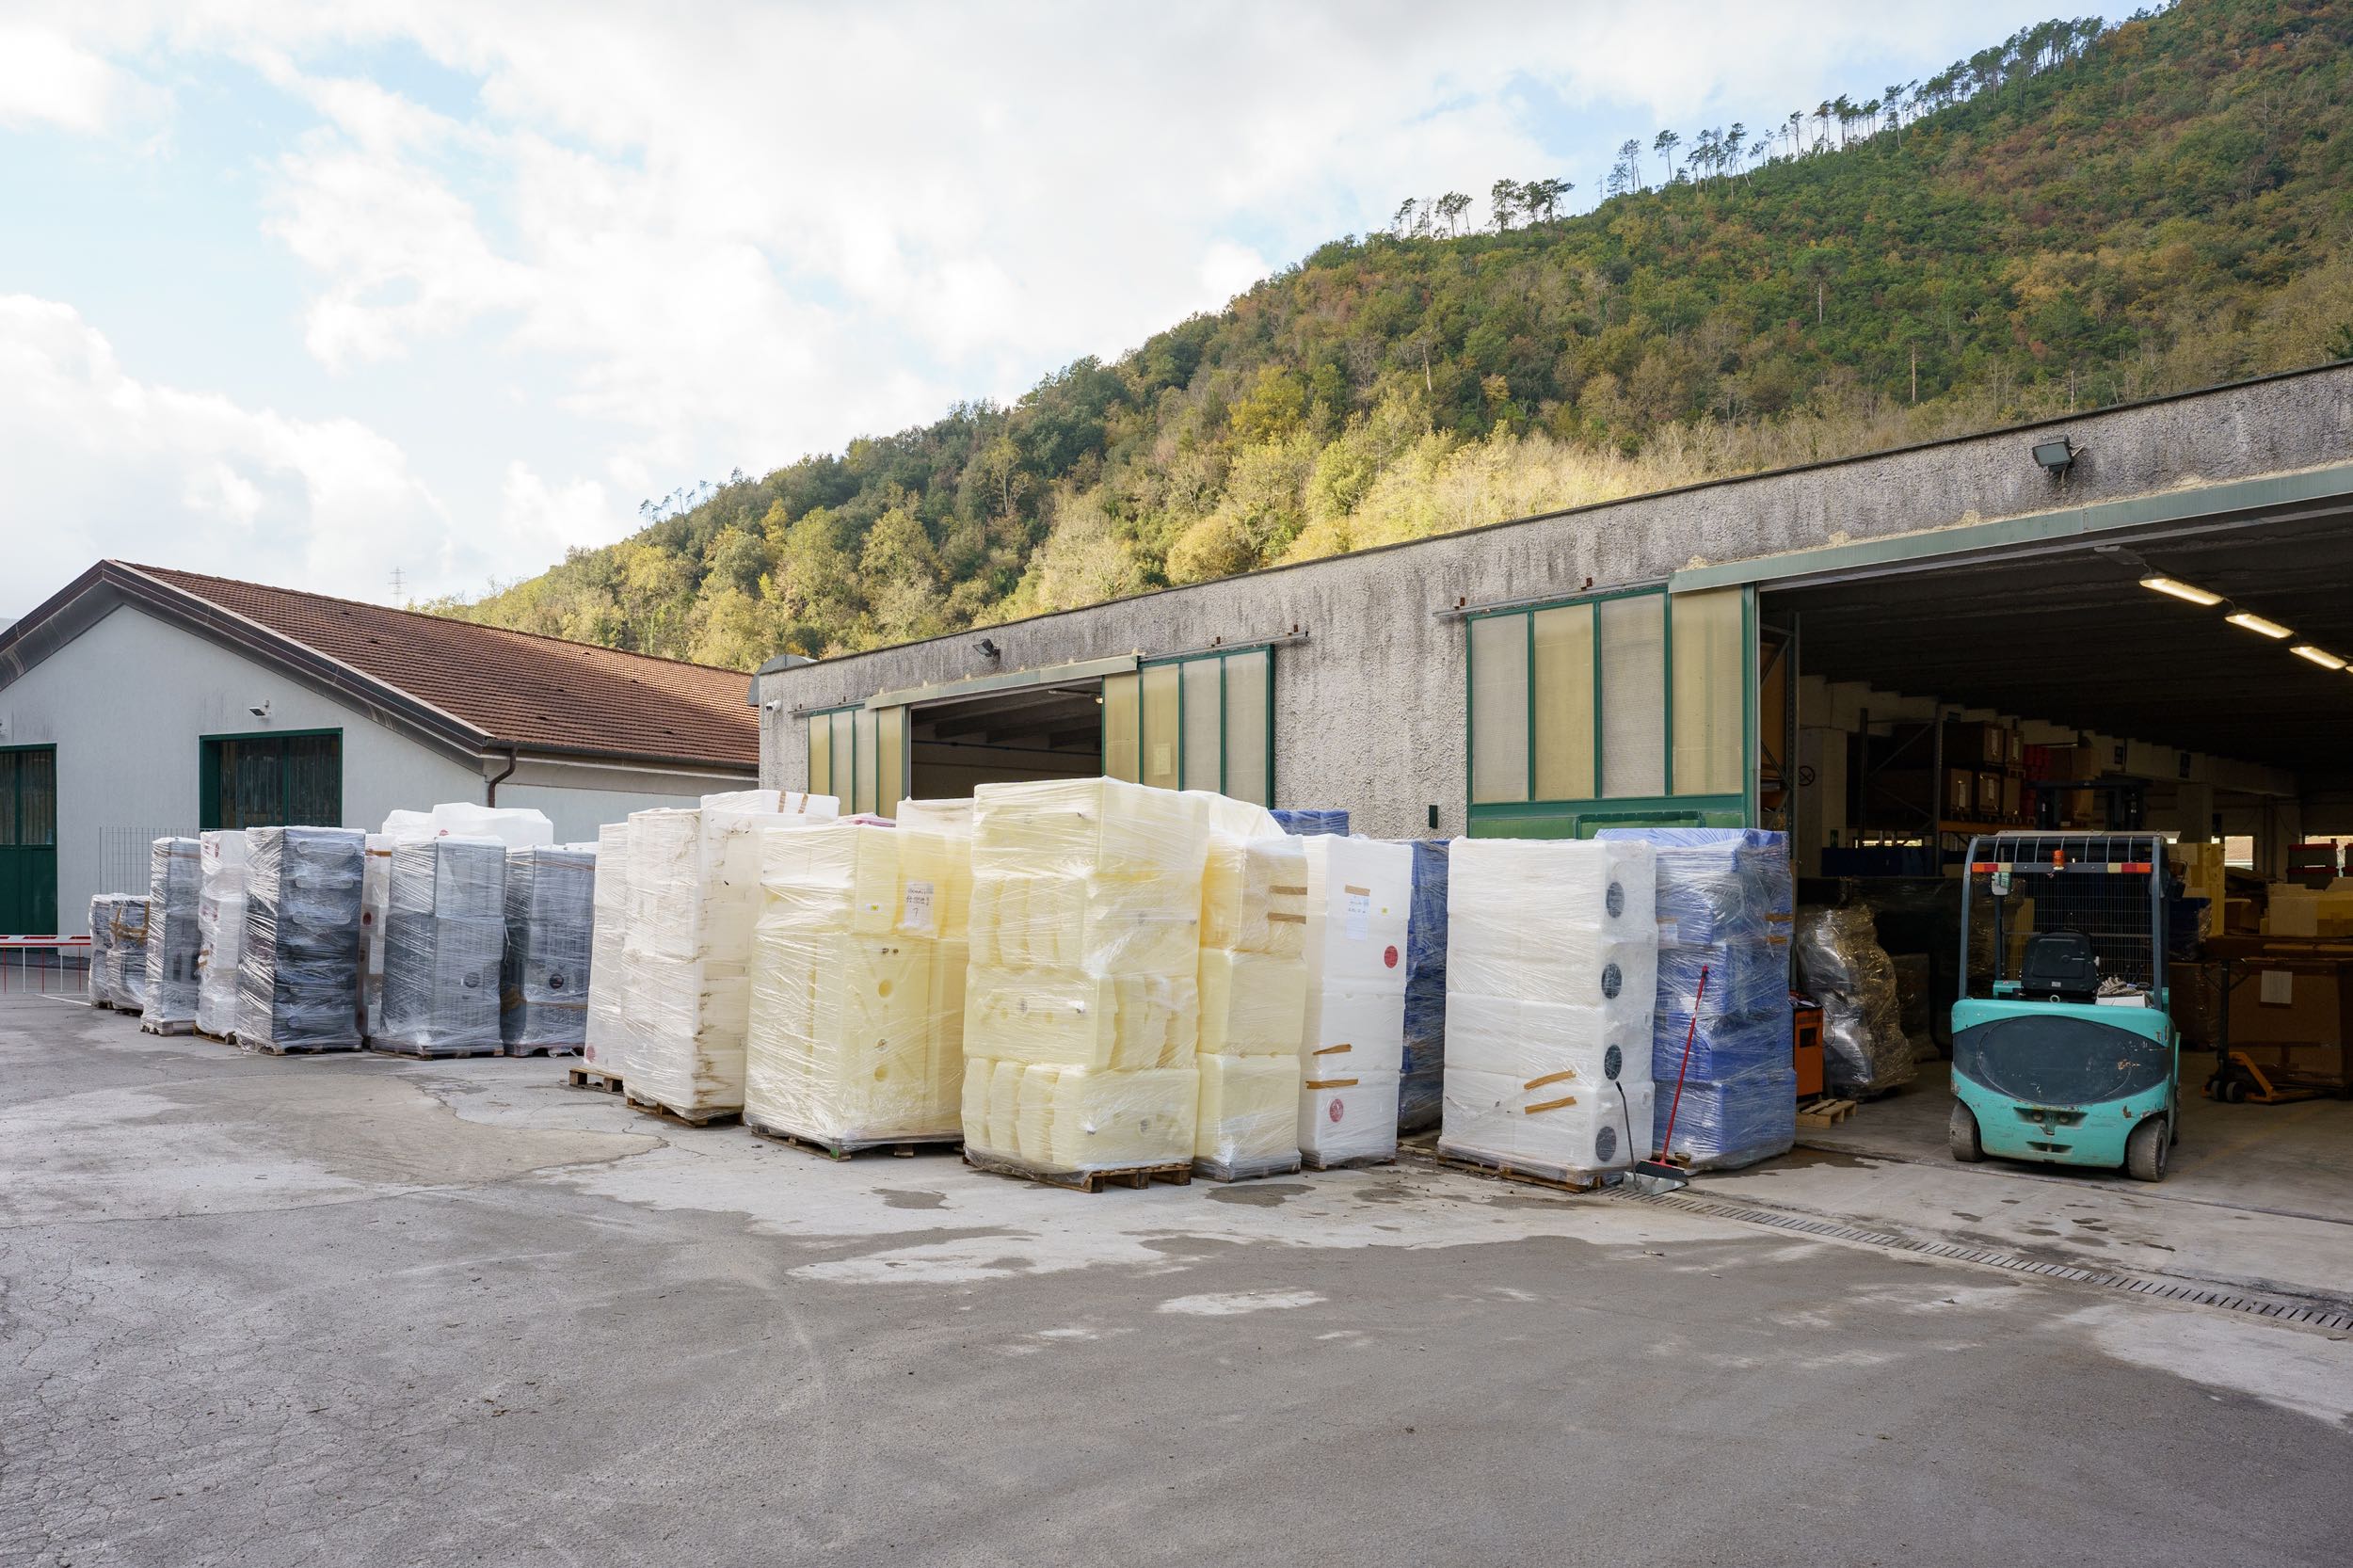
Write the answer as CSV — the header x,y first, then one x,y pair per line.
x,y
1002,737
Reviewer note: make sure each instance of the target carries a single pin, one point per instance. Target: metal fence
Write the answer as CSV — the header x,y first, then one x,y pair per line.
x,y
45,966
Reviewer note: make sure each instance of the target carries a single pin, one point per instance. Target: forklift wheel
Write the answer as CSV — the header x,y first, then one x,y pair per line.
x,y
2234,1091
1961,1133
2144,1151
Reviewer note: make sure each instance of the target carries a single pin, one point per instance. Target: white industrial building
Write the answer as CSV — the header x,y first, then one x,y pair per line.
x,y
139,702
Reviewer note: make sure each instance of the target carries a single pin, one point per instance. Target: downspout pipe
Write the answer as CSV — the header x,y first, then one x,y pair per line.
x,y
491,794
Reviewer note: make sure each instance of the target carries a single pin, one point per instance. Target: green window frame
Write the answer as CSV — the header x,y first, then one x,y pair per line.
x,y
270,779
28,841
858,755
1631,708
1197,721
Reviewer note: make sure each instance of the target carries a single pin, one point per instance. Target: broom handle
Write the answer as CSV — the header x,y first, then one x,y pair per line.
x,y
1691,1034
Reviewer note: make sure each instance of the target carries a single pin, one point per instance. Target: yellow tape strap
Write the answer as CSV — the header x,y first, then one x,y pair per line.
x,y
1551,1104
1331,1083
1550,1077
1289,893
1332,1050
1360,892
1291,919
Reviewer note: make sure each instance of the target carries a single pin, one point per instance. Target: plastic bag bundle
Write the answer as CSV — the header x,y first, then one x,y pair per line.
x,y
1551,979
175,885
376,893
1724,909
545,979
117,961
298,971
1841,965
1308,821
1252,986
445,938
604,1044
842,1046
694,898
220,929
1423,1084
1082,1000
1351,1051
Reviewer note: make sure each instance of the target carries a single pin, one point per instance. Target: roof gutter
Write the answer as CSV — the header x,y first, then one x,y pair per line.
x,y
490,791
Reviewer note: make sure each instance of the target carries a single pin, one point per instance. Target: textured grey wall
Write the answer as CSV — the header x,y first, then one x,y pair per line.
x,y
1368,710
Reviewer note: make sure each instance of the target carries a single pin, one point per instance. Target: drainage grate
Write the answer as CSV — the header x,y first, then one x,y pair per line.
x,y
2171,1290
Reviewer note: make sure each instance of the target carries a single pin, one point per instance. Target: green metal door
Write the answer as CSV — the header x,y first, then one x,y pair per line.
x,y
28,841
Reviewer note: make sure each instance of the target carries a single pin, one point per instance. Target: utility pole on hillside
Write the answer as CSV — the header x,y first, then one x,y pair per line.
x,y
400,587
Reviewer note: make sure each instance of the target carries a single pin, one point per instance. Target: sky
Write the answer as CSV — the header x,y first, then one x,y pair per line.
x,y
316,295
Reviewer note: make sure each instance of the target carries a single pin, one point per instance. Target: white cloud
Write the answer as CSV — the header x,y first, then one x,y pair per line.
x,y
46,78
99,462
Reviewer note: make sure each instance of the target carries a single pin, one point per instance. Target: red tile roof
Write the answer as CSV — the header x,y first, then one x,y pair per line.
x,y
540,694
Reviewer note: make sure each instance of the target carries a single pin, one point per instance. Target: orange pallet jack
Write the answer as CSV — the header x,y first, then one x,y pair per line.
x,y
2239,1081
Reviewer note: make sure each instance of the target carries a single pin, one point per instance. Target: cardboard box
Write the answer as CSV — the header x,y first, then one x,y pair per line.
x,y
2013,798
2083,763
1989,796
2296,1015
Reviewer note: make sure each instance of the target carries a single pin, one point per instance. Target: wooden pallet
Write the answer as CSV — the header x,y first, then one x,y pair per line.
x,y
1081,1182
843,1148
1825,1113
434,1055
1245,1170
269,1048
1353,1163
685,1118
511,1049
592,1077
1559,1181
165,1026
216,1039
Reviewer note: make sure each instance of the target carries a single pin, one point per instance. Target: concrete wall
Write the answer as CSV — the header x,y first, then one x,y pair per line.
x,y
1369,709
126,703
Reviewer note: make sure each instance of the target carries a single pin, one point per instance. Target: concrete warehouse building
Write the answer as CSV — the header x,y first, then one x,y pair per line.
x,y
1761,650
138,702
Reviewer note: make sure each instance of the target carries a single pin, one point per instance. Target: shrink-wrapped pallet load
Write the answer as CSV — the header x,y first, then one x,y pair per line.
x,y
936,901
298,969
1253,987
220,931
1725,901
1422,1087
515,826
1305,820
444,939
175,885
694,891
604,1044
101,936
1082,1003
118,950
1352,1035
375,891
1552,970
844,1048
545,980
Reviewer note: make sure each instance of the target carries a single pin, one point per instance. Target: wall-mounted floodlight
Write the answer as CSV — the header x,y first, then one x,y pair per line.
x,y
2179,589
2056,456
990,649
2320,656
2261,627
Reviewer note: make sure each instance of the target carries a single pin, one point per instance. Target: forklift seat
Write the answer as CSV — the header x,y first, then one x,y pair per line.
x,y
2059,966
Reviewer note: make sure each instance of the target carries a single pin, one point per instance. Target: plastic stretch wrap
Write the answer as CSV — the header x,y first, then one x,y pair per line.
x,y
375,894
843,1043
445,936
1842,966
1351,1043
1305,820
1422,1086
1249,1116
604,1044
1723,908
1252,1004
693,898
1081,1004
1551,978
118,962
548,972
1253,993
1254,895
935,869
175,882
220,929
298,975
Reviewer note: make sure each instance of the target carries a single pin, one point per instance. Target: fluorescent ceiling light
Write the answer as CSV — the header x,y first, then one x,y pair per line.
x,y
2179,589
2320,656
2256,623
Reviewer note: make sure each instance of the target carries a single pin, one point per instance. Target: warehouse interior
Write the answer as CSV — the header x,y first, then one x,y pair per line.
x,y
1002,737
2190,682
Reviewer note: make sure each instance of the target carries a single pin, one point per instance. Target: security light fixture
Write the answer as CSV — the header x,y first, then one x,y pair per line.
x,y
988,649
260,709
2320,656
2056,456
2179,589
2256,624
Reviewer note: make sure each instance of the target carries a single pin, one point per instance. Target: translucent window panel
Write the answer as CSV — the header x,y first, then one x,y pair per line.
x,y
1708,673
864,728
1159,726
841,786
8,796
1122,735
1499,654
1205,723
1247,695
1563,738
890,730
314,781
1633,696
820,754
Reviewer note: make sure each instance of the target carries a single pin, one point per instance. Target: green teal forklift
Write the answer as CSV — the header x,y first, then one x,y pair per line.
x,y
2064,1049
